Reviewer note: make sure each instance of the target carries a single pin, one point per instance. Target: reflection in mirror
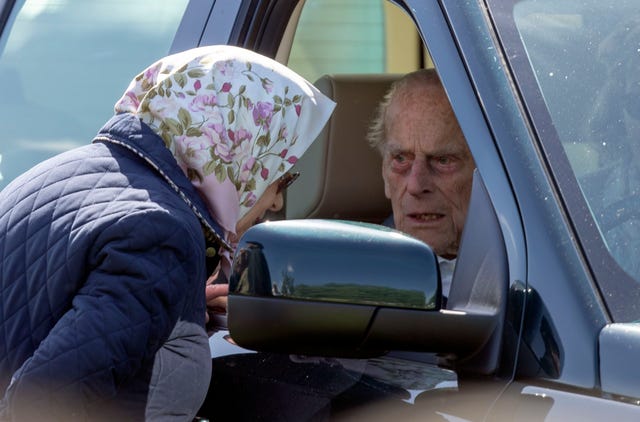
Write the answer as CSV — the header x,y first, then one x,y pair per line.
x,y
336,261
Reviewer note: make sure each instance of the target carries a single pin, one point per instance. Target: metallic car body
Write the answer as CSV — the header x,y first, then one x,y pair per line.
x,y
561,354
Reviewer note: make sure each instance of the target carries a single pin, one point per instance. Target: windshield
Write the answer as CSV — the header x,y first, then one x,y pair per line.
x,y
63,65
581,81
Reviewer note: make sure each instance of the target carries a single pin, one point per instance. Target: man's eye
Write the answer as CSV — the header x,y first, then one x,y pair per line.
x,y
399,158
443,161
400,162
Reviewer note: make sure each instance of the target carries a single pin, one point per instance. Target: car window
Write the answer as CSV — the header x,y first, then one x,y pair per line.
x,y
356,36
584,93
364,37
58,91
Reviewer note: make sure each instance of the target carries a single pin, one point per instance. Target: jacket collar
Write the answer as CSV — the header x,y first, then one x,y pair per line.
x,y
128,131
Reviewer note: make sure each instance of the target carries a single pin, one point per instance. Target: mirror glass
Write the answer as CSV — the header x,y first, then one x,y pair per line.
x,y
336,261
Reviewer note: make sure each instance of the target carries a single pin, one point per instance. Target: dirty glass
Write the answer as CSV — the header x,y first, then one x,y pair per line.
x,y
584,60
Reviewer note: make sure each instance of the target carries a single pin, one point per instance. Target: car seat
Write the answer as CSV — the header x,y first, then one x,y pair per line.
x,y
341,174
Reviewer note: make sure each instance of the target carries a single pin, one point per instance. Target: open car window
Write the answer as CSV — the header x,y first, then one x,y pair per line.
x,y
354,37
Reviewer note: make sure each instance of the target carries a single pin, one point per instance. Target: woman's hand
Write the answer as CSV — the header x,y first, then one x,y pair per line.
x,y
216,298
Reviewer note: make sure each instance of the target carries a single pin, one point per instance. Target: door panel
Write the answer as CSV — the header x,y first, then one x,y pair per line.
x,y
221,21
250,386
523,402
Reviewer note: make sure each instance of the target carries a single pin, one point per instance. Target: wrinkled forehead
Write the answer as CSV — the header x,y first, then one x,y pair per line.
x,y
416,123
422,109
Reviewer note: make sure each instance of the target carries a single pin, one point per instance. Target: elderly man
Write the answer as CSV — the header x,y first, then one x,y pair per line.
x,y
427,166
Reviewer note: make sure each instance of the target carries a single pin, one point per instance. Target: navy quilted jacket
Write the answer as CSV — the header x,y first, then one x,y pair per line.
x,y
102,278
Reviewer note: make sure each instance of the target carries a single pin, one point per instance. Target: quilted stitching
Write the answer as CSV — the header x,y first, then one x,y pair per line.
x,y
66,250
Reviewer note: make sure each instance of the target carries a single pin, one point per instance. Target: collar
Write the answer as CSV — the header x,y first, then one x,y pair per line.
x,y
129,132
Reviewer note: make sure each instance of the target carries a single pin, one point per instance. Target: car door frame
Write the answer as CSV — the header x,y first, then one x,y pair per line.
x,y
555,268
441,39
5,11
257,25
260,35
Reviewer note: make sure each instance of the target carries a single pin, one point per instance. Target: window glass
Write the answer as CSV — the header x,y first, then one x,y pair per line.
x,y
354,36
64,63
339,37
351,37
585,97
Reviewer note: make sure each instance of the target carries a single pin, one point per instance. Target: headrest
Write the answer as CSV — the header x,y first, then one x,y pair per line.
x,y
341,175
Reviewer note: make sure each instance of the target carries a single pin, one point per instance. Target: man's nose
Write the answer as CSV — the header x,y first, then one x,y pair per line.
x,y
419,178
278,203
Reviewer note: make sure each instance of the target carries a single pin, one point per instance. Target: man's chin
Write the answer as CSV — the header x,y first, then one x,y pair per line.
x,y
433,238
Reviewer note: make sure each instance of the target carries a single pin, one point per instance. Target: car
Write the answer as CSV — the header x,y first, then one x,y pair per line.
x,y
340,318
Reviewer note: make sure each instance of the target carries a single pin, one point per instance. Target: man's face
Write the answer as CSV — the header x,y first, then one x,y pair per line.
x,y
427,169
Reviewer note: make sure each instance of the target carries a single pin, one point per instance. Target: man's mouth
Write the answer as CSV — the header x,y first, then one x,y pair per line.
x,y
426,217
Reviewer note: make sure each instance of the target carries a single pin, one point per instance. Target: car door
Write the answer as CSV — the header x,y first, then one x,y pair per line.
x,y
247,385
568,326
572,68
542,87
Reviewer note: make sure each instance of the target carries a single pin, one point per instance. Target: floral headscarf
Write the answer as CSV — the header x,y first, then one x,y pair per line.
x,y
234,120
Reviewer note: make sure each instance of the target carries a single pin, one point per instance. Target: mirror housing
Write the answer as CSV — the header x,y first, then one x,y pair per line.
x,y
343,289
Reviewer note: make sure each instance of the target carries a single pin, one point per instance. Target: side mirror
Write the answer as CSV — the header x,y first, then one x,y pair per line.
x,y
343,289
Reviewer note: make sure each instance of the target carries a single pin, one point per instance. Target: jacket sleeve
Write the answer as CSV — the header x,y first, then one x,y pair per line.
x,y
142,267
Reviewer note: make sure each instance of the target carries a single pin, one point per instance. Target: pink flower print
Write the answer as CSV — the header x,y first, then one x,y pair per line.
x,y
216,138
283,133
225,67
240,136
242,154
283,153
223,150
197,85
292,160
202,102
193,152
226,87
151,73
267,84
249,200
134,100
245,174
262,114
298,108
264,173
168,106
229,70
248,165
219,128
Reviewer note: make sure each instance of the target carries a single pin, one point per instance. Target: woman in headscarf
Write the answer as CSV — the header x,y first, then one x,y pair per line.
x,y
106,248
